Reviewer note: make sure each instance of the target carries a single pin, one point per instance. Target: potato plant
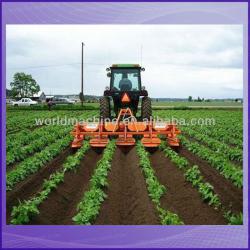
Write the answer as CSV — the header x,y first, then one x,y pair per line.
x,y
23,213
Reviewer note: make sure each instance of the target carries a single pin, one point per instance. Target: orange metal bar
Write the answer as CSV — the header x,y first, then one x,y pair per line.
x,y
125,131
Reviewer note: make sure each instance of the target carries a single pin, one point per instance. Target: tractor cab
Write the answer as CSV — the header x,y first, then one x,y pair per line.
x,y
125,77
125,89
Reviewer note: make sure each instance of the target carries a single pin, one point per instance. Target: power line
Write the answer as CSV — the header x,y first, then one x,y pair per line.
x,y
54,65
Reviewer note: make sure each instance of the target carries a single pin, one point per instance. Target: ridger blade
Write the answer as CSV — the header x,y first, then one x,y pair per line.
x,y
125,131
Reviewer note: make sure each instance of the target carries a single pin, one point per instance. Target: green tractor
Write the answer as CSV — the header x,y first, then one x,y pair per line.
x,y
125,90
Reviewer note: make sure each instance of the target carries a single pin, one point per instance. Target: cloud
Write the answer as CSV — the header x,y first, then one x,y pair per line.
x,y
180,60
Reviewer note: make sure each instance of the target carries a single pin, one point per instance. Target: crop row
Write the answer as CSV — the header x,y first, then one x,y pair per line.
x,y
227,126
206,190
227,169
19,153
89,206
155,189
25,137
24,212
33,164
16,123
219,147
193,175
222,135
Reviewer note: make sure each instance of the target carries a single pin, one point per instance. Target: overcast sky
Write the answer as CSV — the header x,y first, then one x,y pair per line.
x,y
180,60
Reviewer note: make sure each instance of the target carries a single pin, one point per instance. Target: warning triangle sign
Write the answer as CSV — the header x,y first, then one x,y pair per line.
x,y
125,98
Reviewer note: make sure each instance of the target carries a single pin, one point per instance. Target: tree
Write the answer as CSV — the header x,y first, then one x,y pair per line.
x,y
190,98
24,85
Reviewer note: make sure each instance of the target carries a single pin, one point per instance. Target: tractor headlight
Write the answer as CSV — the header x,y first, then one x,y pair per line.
x,y
107,88
143,88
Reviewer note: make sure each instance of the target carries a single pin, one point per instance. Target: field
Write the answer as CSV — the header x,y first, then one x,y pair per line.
x,y
49,184
156,105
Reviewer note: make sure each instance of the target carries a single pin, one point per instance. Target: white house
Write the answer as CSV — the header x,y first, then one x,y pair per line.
x,y
40,96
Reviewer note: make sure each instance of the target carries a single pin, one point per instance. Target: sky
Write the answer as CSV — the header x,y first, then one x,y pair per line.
x,y
179,60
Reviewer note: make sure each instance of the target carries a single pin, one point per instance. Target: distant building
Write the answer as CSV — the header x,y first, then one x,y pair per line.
x,y
49,97
40,97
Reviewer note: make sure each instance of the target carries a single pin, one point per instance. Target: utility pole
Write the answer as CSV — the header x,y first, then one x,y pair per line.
x,y
82,96
141,55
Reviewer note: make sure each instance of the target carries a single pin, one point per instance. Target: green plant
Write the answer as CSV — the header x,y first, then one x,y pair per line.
x,y
234,219
155,189
89,206
23,213
34,163
193,175
228,170
169,218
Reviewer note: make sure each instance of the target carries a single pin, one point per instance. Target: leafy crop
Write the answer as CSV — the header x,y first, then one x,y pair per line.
x,y
22,213
219,147
34,163
43,139
228,170
194,176
206,190
89,206
181,162
155,189
234,219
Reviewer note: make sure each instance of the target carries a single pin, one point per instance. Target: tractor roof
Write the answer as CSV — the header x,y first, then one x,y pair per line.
x,y
126,66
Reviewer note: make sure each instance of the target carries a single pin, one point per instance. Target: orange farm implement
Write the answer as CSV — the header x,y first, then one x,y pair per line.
x,y
125,131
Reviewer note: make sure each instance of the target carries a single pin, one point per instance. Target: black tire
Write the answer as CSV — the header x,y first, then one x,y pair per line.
x,y
146,109
104,107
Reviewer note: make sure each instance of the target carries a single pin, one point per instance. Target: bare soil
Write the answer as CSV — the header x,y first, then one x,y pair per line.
x,y
231,197
60,206
32,184
128,202
181,198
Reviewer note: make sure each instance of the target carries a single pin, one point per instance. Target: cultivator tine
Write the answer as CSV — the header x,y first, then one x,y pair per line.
x,y
125,131
77,142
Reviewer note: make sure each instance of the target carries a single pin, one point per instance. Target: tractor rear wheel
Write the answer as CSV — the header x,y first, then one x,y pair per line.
x,y
105,107
146,109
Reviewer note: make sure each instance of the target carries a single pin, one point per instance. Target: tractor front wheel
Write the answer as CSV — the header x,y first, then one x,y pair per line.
x,y
146,109
105,107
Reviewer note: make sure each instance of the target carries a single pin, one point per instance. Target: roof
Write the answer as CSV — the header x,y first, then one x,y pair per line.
x,y
38,94
125,65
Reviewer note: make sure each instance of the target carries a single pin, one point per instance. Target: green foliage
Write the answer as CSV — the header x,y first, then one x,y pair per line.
x,y
44,138
231,153
207,193
89,206
34,163
181,162
228,170
24,85
155,189
194,176
24,212
169,218
234,219
21,214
